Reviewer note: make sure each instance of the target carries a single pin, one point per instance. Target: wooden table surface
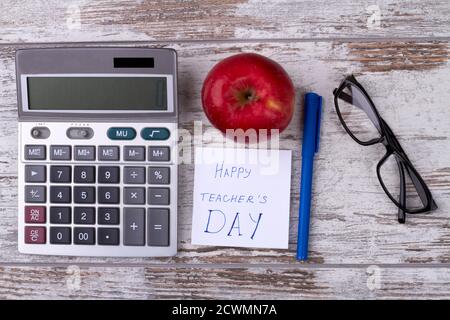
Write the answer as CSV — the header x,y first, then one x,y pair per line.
x,y
358,250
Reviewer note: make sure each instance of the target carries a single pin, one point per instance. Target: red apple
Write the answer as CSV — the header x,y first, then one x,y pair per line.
x,y
247,91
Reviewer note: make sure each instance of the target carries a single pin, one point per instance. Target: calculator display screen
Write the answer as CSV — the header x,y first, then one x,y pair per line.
x,y
97,93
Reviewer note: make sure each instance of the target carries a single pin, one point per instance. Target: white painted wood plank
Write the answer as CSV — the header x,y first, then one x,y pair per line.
x,y
18,282
137,20
353,221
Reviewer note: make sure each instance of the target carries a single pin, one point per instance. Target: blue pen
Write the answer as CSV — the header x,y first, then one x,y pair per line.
x,y
311,134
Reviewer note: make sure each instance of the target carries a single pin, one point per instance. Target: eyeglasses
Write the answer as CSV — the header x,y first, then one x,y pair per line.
x,y
398,177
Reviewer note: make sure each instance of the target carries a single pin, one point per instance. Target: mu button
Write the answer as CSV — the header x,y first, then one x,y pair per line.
x,y
116,133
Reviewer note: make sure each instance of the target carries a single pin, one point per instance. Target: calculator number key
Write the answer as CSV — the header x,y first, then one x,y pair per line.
x,y
60,174
60,235
108,215
108,174
84,174
84,194
108,195
60,215
84,215
60,194
84,236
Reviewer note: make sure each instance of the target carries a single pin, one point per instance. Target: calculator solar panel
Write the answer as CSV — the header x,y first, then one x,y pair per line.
x,y
93,180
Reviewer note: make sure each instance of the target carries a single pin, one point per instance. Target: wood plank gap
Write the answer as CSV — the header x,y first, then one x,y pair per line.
x,y
300,266
255,40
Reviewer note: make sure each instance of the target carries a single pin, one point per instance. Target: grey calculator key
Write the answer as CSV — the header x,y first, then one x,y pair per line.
x,y
133,195
84,174
60,174
60,215
158,153
35,194
84,215
108,236
158,227
108,215
134,175
108,195
159,175
84,236
34,152
131,153
84,194
60,153
84,153
108,174
159,196
134,227
35,173
60,235
60,194
108,153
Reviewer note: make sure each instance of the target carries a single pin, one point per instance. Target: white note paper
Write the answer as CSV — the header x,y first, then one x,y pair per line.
x,y
241,197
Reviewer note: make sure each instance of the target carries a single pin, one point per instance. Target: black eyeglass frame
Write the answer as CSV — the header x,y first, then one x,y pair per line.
x,y
393,147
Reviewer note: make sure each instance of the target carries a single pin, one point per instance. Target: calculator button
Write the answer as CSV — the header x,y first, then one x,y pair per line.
x,y
155,134
108,195
35,235
84,215
108,236
83,174
60,215
35,152
60,235
116,133
84,194
84,236
158,227
34,214
158,153
133,195
84,153
108,215
60,194
134,226
134,175
159,175
60,174
134,153
60,153
35,194
159,196
35,173
108,174
108,153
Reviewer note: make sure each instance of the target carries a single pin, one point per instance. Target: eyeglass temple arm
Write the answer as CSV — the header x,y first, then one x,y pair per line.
x,y
402,195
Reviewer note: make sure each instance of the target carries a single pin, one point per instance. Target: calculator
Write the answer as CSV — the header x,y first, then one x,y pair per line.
x,y
97,153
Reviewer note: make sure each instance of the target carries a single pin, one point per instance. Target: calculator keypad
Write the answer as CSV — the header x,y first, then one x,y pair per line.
x,y
85,196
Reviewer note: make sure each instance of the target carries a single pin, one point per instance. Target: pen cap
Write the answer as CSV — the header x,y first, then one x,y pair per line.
x,y
311,126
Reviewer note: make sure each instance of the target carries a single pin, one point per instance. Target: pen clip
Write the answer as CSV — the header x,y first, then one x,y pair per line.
x,y
319,114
